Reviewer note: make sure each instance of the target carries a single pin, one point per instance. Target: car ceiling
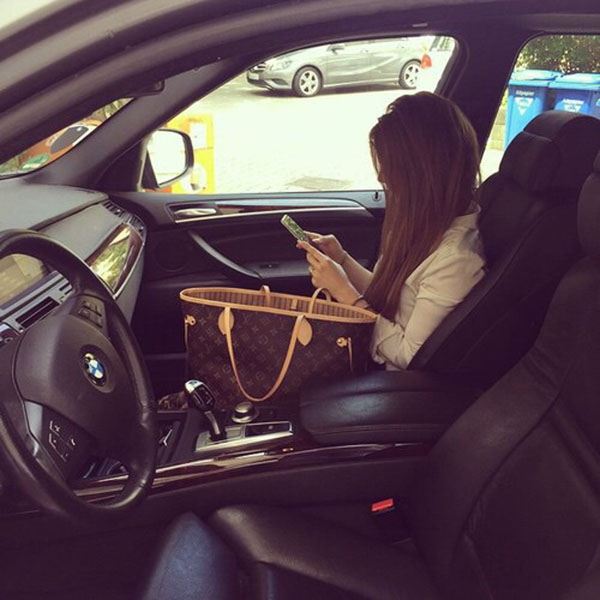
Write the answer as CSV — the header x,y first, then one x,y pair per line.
x,y
65,61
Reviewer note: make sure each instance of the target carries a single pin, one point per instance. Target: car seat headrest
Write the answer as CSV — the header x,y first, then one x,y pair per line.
x,y
531,161
588,213
577,137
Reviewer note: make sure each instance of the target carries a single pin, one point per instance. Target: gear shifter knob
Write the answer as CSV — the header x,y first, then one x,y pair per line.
x,y
200,397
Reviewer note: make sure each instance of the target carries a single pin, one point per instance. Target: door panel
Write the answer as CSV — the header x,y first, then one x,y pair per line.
x,y
232,241
389,56
348,63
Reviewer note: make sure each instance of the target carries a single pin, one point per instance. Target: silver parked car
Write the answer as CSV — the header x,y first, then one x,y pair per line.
x,y
308,71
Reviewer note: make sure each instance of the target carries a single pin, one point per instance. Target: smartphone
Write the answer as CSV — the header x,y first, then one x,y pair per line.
x,y
294,228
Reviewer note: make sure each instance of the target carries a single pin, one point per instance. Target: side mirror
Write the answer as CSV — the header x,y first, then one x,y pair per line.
x,y
170,157
337,48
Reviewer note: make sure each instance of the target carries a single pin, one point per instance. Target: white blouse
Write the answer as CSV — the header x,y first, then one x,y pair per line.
x,y
430,293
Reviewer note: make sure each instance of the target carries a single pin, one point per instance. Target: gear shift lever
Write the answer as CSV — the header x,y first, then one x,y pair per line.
x,y
200,397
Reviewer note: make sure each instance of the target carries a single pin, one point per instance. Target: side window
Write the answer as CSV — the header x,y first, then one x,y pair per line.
x,y
552,72
299,122
59,143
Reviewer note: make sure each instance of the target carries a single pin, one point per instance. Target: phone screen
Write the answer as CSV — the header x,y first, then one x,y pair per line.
x,y
294,228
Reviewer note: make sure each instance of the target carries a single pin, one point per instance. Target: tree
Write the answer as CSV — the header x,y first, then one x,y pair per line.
x,y
564,53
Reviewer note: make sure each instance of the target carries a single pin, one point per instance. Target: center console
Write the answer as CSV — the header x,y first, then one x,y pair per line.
x,y
242,433
385,407
380,421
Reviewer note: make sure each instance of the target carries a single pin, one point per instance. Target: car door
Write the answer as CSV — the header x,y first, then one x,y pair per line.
x,y
233,240
257,157
348,62
389,56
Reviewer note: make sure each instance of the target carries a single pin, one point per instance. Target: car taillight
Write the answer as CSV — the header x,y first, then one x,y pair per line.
x,y
425,61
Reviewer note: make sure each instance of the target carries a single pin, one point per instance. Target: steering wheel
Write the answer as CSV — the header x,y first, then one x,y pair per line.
x,y
74,386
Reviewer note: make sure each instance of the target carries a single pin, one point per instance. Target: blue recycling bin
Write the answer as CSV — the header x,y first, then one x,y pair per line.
x,y
527,98
578,92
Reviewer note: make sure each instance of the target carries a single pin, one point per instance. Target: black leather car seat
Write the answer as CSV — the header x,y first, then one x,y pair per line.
x,y
507,506
527,225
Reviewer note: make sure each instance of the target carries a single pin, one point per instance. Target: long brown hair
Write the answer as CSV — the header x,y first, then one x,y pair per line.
x,y
426,156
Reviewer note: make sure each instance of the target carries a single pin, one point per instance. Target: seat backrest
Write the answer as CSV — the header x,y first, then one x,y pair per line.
x,y
509,504
528,229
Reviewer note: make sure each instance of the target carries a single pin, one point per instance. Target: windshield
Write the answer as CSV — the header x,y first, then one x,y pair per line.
x,y
59,143
13,10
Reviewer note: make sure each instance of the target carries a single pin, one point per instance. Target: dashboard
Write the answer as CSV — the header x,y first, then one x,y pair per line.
x,y
110,239
18,273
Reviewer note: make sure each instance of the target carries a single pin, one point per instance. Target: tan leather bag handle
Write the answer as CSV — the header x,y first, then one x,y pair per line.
x,y
265,290
313,298
227,321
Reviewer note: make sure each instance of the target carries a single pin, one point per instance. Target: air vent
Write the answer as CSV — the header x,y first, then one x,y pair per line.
x,y
137,224
39,311
66,288
113,208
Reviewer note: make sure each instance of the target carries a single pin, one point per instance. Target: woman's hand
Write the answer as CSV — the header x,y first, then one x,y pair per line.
x,y
327,273
328,245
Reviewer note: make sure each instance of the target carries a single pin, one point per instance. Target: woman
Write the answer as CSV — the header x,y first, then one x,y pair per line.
x,y
426,156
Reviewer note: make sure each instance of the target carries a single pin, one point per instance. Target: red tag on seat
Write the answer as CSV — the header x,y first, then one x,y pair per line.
x,y
382,506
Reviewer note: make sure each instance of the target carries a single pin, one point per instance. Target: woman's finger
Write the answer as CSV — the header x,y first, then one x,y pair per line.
x,y
312,260
313,251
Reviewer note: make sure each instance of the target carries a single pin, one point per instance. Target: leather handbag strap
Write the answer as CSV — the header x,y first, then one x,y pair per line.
x,y
266,291
313,298
227,320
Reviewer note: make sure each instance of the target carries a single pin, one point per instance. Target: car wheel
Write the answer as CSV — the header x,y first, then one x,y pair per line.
x,y
307,82
409,75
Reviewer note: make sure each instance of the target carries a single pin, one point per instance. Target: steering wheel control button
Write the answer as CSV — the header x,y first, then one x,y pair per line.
x,y
59,446
94,369
97,320
55,427
92,312
53,439
91,306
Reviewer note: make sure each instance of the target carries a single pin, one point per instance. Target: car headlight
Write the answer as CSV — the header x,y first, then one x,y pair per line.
x,y
279,65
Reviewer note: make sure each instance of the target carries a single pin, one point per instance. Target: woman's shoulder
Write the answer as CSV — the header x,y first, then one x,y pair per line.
x,y
457,265
460,250
457,258
460,241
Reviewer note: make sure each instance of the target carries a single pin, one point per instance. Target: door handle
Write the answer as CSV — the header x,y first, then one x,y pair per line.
x,y
225,265
193,213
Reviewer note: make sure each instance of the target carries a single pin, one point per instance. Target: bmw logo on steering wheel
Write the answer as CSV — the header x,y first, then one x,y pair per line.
x,y
94,369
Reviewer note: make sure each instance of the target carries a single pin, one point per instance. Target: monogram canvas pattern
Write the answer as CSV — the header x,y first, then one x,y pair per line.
x,y
260,342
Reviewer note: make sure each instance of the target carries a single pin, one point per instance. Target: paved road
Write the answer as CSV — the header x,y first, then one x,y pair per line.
x,y
276,142
266,141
